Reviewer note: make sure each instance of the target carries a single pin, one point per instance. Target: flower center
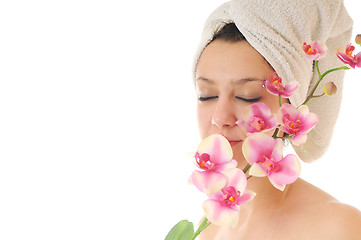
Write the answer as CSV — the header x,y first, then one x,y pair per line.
x,y
257,123
230,196
268,163
278,82
204,161
295,126
349,50
309,51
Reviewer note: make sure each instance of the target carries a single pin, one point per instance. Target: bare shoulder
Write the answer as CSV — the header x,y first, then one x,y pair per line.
x,y
322,215
340,220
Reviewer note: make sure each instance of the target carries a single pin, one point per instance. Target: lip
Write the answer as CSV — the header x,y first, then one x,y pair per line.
x,y
234,142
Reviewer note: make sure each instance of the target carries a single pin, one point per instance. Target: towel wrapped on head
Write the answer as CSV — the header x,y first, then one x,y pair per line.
x,y
277,30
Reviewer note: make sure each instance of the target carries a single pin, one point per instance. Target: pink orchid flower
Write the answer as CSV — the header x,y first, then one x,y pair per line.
x,y
274,86
222,208
257,118
315,51
348,58
296,121
214,154
264,154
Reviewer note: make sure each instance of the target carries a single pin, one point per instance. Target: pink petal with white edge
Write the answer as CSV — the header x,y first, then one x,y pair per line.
x,y
303,110
310,122
289,172
277,152
358,57
256,146
208,182
246,197
217,147
280,187
287,108
291,88
231,164
219,214
299,139
257,170
236,178
260,109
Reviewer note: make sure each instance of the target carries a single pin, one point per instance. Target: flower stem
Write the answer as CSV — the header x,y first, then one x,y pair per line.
x,y
310,96
318,69
245,170
275,133
201,227
280,100
287,137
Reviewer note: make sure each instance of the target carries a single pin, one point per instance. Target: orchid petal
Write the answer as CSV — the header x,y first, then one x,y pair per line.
x,y
280,187
299,139
303,110
289,172
219,214
236,178
277,152
358,56
256,145
289,109
290,89
208,182
217,147
246,197
310,121
232,164
257,117
260,109
257,170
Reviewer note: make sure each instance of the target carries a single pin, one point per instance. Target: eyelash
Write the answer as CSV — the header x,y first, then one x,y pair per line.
x,y
249,100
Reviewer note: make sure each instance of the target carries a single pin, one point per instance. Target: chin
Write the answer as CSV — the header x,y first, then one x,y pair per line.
x,y
237,152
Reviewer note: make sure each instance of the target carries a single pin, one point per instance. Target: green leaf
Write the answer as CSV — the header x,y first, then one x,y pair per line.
x,y
181,231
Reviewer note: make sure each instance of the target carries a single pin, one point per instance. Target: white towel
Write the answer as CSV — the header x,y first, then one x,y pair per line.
x,y
277,30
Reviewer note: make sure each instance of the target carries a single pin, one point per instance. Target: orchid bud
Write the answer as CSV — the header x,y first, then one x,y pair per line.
x,y
330,88
358,39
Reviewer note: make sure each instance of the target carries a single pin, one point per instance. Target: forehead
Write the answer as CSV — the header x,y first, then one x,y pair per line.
x,y
233,61
236,82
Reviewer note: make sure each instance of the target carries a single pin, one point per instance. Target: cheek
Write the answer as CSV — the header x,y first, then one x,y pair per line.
x,y
204,116
272,102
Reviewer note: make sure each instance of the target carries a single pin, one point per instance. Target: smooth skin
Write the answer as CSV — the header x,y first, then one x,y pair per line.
x,y
229,76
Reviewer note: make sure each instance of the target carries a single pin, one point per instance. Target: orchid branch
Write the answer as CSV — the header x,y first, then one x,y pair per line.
x,y
321,76
201,227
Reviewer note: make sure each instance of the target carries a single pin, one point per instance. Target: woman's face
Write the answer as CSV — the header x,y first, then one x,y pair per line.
x,y
229,77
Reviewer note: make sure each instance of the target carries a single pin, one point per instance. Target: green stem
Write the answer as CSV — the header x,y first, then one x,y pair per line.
x,y
310,96
318,69
245,170
287,137
280,100
201,227
275,133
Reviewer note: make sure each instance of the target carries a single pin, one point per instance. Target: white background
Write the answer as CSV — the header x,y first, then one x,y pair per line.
x,y
97,113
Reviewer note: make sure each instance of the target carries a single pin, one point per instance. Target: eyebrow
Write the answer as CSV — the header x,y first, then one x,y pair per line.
x,y
236,82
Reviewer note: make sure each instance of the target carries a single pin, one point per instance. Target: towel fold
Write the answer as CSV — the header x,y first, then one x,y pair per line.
x,y
277,30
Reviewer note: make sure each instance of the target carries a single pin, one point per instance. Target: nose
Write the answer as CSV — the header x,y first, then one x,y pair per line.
x,y
224,115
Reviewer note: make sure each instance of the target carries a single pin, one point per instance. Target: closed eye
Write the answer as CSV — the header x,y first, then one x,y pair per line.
x,y
251,100
203,99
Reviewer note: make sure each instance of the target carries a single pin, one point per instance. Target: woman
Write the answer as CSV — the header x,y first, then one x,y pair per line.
x,y
243,43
